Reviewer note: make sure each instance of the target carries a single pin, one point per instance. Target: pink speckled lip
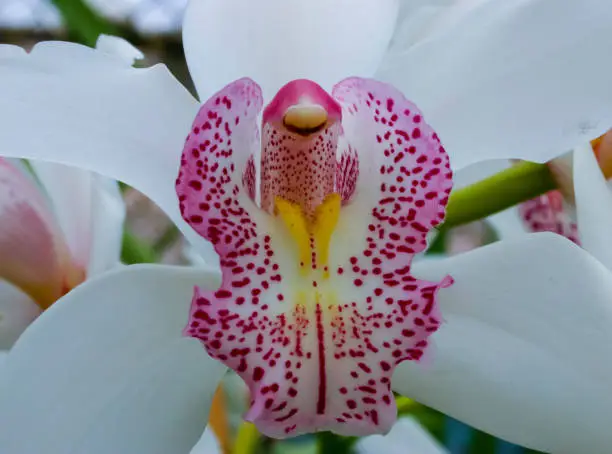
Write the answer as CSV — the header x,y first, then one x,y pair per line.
x,y
317,342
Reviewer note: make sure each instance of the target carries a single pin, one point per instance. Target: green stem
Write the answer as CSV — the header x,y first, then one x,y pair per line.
x,y
83,21
135,250
503,190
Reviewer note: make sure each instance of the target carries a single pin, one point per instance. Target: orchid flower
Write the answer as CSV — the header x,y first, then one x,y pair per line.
x,y
555,211
550,213
118,374
288,249
58,227
577,210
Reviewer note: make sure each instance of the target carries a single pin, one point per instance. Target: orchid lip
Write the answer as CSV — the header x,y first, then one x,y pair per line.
x,y
316,271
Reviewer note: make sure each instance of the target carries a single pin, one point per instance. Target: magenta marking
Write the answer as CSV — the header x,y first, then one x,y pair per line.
x,y
321,401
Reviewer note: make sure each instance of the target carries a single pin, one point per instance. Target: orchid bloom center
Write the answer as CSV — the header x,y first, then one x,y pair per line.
x,y
298,161
555,211
301,127
317,305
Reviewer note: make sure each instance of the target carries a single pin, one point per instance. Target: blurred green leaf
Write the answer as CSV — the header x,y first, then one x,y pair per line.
x,y
329,443
83,22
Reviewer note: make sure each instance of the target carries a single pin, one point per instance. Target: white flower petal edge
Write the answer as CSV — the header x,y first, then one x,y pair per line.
x,y
120,48
79,106
520,355
107,218
406,437
478,171
593,206
89,209
10,50
17,311
208,444
277,41
106,369
526,78
69,192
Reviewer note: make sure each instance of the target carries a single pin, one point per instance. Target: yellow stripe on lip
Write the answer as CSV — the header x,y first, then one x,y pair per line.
x,y
325,221
295,221
320,229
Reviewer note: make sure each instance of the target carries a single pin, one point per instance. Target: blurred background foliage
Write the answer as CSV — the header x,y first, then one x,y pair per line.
x,y
154,27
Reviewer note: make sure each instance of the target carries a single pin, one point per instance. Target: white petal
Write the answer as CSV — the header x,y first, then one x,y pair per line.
x,y
108,216
406,437
522,352
70,192
522,79
74,105
192,256
163,409
478,171
593,206
208,444
106,369
11,50
90,211
17,311
450,13
119,48
414,22
276,41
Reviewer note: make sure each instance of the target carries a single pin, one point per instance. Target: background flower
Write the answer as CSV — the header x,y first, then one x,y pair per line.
x,y
58,227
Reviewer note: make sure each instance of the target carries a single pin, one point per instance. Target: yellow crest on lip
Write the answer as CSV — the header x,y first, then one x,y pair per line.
x,y
295,221
312,236
323,226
